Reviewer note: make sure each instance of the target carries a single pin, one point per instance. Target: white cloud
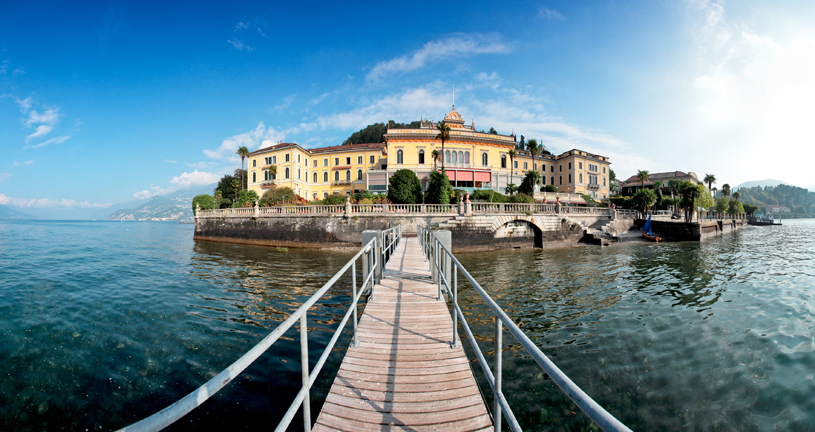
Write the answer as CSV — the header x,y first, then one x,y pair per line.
x,y
42,122
25,104
252,140
26,163
49,203
4,177
549,14
55,140
3,67
240,46
194,178
241,25
142,195
461,45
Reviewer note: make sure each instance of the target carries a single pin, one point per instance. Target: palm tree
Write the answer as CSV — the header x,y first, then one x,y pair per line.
x,y
243,152
643,176
736,196
710,179
435,154
512,154
726,189
658,191
444,135
673,187
235,184
272,171
534,149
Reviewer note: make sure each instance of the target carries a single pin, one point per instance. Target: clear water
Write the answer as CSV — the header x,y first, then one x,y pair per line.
x,y
104,323
716,335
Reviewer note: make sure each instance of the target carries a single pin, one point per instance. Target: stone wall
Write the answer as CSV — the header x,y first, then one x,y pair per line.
x,y
693,231
514,235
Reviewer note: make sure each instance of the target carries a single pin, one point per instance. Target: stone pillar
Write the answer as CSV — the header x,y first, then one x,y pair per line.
x,y
366,237
197,210
468,206
447,240
385,208
460,205
423,208
501,208
257,209
347,206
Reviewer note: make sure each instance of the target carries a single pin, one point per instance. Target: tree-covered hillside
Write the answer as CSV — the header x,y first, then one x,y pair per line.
x,y
799,200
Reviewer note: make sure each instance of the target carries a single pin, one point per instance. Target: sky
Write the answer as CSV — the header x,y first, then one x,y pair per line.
x,y
107,102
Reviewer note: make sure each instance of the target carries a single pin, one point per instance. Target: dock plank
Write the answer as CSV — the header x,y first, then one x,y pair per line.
x,y
405,374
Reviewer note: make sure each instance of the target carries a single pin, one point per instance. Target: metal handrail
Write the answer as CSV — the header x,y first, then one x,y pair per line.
x,y
439,257
183,406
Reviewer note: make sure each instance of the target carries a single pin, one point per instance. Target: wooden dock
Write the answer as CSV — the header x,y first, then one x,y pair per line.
x,y
405,374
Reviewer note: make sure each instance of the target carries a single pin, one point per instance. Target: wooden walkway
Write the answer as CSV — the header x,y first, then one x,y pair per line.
x,y
404,375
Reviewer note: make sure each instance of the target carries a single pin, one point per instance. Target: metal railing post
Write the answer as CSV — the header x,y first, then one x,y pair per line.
x,y
354,341
498,371
304,373
438,268
455,305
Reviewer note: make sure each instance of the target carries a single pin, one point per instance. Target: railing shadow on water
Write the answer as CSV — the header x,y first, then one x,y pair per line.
x,y
442,263
374,255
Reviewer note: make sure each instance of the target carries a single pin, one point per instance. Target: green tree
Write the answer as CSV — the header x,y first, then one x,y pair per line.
x,y
735,207
705,199
534,148
277,196
550,188
643,176
644,199
204,201
688,194
225,188
726,190
722,205
246,198
511,189
522,143
710,179
531,179
493,131
243,152
405,188
435,154
443,135
439,190
236,184
612,175
673,187
373,133
750,209
736,195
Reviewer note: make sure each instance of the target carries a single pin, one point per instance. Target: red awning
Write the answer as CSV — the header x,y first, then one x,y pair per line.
x,y
483,176
464,176
451,175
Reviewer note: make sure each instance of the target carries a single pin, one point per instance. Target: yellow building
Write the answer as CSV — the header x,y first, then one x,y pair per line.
x,y
472,160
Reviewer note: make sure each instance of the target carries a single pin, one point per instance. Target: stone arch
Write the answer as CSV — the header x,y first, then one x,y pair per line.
x,y
534,222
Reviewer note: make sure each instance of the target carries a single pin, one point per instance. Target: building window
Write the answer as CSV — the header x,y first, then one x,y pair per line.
x,y
254,163
400,157
325,194
484,159
359,174
336,161
604,170
348,160
359,160
526,165
552,170
561,168
347,175
254,177
503,161
287,171
274,159
325,176
461,157
543,180
553,181
561,181
455,158
516,164
336,176
325,162
315,196
315,163
570,165
570,178
604,182
298,158
315,177
421,157
580,165
535,167
467,158
299,174
373,160
288,156
581,177
447,156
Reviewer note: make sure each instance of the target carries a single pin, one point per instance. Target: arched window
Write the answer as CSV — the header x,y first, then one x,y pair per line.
x,y
299,177
467,158
447,156
553,180
461,157
315,177
581,177
400,157
503,161
455,158
543,179
287,172
570,178
254,177
421,157
484,160
347,175
359,174
325,176
336,176
561,181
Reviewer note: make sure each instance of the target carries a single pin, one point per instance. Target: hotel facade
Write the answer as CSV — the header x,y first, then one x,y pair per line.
x,y
472,160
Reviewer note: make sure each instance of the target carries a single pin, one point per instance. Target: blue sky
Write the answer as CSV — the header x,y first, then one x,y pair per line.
x,y
107,102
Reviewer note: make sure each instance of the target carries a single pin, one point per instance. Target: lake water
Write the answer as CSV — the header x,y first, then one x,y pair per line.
x,y
104,323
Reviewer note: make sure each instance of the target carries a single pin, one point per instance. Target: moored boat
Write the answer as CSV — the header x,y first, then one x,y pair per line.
x,y
646,231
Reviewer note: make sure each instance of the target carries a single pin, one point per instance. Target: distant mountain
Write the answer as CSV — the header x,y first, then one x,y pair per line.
x,y
173,206
8,213
762,183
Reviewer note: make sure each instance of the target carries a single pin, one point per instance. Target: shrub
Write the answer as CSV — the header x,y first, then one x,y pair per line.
x,y
276,196
520,199
531,179
456,194
333,199
360,196
404,188
247,198
439,190
206,202
549,188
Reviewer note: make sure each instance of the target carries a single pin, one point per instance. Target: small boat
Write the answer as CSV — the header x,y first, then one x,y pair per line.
x,y
646,231
763,220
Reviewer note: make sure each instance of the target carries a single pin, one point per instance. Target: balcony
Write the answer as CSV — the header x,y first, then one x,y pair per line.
x,y
594,185
265,184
